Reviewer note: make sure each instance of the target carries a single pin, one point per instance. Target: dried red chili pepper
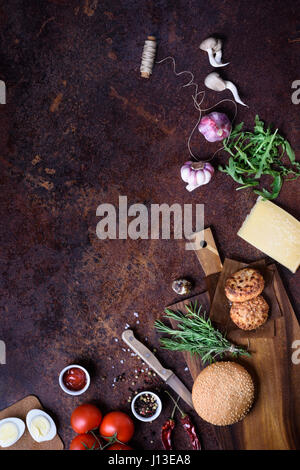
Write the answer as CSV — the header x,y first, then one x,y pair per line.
x,y
190,429
188,426
166,434
167,429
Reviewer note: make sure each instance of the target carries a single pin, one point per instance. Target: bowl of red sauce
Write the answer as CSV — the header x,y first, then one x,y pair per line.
x,y
74,379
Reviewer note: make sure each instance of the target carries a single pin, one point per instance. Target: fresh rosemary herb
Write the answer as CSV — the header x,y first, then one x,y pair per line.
x,y
196,334
258,153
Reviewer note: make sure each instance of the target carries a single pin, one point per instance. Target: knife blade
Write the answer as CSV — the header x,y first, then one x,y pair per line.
x,y
166,374
175,383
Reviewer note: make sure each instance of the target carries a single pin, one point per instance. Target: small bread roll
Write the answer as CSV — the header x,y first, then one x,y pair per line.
x,y
244,285
251,314
223,393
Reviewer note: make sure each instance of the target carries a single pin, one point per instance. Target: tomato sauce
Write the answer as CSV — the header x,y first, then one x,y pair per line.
x,y
74,379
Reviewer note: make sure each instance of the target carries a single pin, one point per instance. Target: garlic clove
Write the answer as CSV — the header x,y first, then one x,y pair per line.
x,y
230,86
191,187
218,46
200,177
210,168
212,46
213,81
218,56
218,53
218,59
185,173
193,178
212,60
206,176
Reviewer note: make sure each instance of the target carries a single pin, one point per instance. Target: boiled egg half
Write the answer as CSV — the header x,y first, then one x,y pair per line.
x,y
40,425
11,430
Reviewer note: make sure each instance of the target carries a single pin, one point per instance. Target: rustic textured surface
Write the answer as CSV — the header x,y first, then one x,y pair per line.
x,y
81,128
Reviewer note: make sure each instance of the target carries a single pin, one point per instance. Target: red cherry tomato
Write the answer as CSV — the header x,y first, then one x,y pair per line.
x,y
85,418
84,442
118,446
117,423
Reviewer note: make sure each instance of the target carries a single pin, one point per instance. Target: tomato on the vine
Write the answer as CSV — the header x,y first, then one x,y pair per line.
x,y
84,442
85,418
119,446
118,424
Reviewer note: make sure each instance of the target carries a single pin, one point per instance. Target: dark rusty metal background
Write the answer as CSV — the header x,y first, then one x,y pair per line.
x,y
81,128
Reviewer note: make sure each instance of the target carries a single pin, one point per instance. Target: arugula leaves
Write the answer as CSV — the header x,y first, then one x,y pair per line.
x,y
258,153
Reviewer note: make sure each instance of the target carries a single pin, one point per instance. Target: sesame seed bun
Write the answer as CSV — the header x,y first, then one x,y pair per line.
x,y
251,314
223,393
244,285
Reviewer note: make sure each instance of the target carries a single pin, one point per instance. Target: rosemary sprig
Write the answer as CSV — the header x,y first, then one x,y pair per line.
x,y
196,334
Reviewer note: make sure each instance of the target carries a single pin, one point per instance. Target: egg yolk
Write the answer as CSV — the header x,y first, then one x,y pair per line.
x,y
39,427
8,433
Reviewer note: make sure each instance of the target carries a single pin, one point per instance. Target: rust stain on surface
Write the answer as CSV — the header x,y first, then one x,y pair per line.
x,y
109,14
46,184
56,102
39,181
141,111
90,7
50,171
36,160
112,55
44,24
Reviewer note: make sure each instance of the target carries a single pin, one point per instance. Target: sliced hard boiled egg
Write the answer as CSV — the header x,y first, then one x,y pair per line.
x,y
11,430
40,425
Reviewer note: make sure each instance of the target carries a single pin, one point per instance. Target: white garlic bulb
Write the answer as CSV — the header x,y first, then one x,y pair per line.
x,y
196,174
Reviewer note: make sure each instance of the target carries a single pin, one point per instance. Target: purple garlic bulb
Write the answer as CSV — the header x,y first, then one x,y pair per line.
x,y
215,126
196,174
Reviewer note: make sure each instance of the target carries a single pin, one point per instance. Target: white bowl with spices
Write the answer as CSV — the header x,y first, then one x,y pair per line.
x,y
146,406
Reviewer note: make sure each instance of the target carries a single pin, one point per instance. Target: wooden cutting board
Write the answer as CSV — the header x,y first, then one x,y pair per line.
x,y
274,421
20,410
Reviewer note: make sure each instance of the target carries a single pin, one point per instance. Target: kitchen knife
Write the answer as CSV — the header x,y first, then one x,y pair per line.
x,y
166,374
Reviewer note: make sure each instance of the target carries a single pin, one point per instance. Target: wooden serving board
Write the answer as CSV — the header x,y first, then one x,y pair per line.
x,y
220,309
274,421
20,410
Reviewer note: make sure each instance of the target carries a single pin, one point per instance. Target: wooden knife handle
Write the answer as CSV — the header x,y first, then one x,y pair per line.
x,y
145,353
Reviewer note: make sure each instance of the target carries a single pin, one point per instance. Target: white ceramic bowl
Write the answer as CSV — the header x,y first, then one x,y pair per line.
x,y
156,414
71,392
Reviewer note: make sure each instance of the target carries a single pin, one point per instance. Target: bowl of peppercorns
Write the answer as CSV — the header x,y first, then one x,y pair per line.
x,y
146,406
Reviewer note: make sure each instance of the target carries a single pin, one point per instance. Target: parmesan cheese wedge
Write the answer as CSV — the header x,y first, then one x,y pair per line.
x,y
273,231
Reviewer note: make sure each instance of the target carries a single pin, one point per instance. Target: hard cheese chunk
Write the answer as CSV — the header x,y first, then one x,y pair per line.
x,y
273,231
